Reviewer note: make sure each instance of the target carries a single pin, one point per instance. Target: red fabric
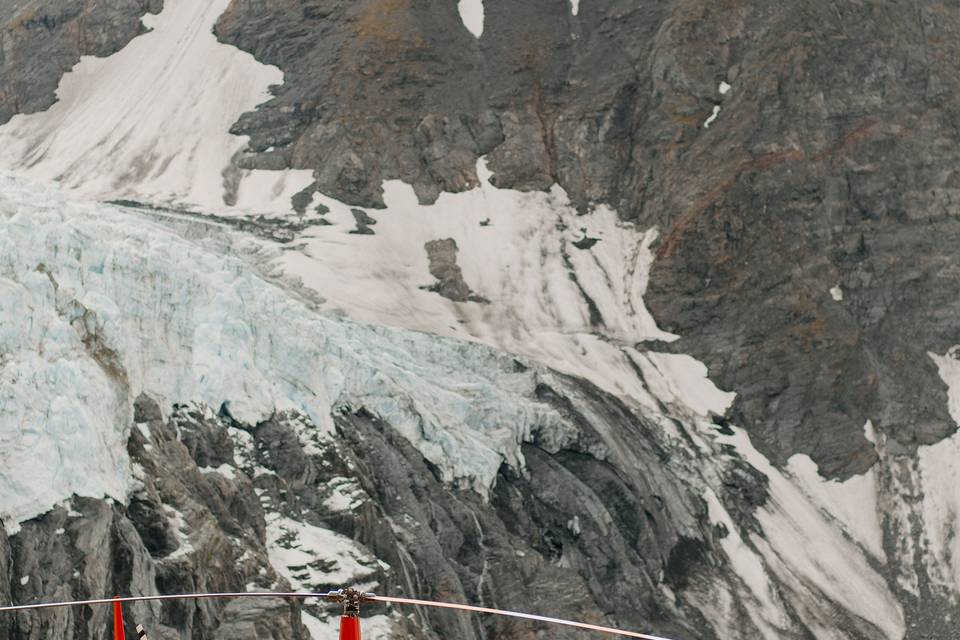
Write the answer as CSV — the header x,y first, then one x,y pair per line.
x,y
349,628
118,621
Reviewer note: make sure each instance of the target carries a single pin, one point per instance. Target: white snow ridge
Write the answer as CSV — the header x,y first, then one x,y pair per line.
x,y
713,116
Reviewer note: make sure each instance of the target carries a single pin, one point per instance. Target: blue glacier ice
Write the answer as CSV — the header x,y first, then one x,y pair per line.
x,y
99,304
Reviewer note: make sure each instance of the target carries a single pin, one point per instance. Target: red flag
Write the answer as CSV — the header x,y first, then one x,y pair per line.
x,y
349,628
117,620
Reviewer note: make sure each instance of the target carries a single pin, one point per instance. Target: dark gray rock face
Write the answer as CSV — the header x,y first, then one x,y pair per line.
x,y
377,90
42,39
580,531
260,618
828,164
442,258
5,621
399,62
183,531
364,222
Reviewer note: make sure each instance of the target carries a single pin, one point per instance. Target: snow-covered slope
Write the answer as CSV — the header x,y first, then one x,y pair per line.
x,y
562,288
152,121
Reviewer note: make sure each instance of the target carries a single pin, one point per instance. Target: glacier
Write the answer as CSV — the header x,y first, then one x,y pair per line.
x,y
100,305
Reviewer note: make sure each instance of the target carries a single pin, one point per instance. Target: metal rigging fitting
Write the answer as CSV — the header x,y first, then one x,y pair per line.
x,y
351,599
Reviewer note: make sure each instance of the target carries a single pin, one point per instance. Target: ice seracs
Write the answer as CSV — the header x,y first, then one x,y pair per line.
x,y
120,306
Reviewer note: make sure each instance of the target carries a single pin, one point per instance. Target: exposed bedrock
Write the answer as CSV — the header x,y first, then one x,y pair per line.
x,y
579,532
809,253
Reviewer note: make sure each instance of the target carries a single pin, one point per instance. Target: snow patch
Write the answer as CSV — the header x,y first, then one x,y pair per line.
x,y
181,531
712,117
937,476
574,6
802,546
948,366
152,121
836,293
345,494
516,250
724,88
315,559
471,13
770,617
224,470
682,380
852,503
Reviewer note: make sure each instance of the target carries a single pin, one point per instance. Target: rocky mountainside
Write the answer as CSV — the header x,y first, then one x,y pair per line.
x,y
830,165
370,306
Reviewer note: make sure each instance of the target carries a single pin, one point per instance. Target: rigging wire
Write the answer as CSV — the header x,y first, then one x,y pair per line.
x,y
176,596
515,614
332,596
